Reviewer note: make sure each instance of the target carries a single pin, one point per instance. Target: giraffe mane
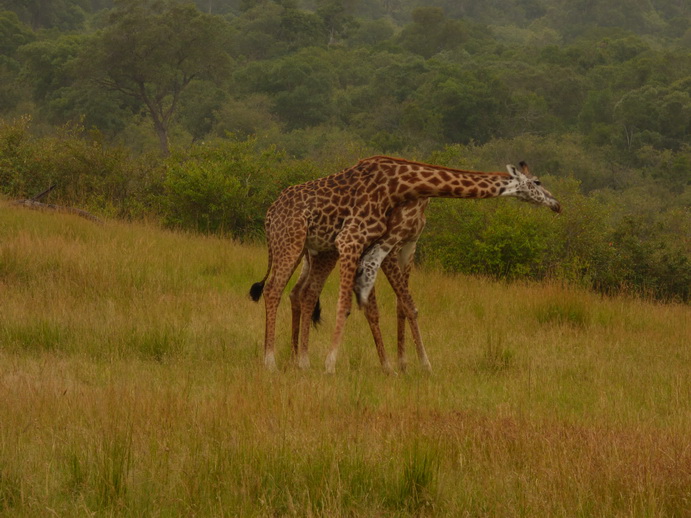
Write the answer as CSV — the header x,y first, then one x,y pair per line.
x,y
444,168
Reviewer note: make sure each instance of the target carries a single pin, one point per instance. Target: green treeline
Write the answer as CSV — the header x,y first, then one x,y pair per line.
x,y
198,114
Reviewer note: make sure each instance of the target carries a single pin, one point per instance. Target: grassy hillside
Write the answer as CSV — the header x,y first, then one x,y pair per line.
x,y
131,385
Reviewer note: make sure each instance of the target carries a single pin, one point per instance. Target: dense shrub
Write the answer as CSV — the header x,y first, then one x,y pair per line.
x,y
649,262
227,186
585,244
491,237
85,172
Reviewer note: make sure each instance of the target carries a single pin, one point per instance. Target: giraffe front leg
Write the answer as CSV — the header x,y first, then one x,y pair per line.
x,y
342,312
321,266
296,296
367,270
348,257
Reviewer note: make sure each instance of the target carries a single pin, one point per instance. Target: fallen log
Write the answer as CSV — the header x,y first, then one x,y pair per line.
x,y
33,203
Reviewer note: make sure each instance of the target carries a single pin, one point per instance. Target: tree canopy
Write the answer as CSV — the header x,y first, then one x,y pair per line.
x,y
152,52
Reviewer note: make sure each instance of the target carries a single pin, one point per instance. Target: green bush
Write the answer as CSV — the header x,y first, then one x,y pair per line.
x,y
650,263
499,238
86,173
227,186
596,242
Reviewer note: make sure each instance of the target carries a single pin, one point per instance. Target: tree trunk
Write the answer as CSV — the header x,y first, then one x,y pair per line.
x,y
162,133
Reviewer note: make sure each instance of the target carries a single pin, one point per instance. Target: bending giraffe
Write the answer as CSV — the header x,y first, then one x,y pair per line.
x,y
343,213
405,225
394,253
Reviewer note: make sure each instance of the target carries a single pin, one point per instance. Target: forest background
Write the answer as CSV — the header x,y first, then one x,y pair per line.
x,y
196,115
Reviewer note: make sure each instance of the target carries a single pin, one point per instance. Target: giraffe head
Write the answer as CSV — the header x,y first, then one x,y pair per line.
x,y
527,187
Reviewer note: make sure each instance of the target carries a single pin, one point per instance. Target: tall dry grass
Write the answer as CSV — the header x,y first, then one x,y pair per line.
x,y
131,385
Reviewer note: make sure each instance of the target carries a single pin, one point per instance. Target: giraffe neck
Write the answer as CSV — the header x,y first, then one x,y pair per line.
x,y
417,180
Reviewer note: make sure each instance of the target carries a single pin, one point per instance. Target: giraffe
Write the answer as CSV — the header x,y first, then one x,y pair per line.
x,y
394,253
405,224
340,215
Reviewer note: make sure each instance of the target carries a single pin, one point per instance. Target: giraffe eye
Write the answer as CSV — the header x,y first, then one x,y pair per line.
x,y
537,182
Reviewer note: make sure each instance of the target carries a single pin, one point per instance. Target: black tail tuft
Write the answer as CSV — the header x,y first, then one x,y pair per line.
x,y
317,314
256,290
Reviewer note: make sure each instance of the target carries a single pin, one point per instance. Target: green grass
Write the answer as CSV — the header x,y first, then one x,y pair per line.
x,y
131,384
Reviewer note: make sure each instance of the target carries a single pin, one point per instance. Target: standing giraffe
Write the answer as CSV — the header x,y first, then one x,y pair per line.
x,y
343,213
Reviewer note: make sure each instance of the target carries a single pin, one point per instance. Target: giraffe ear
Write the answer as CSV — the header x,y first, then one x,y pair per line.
x,y
526,170
512,170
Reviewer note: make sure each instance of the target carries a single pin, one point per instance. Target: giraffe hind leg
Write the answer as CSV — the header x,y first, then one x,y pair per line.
x,y
295,298
372,315
321,266
282,269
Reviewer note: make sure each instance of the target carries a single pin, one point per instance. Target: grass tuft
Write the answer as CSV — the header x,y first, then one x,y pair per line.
x,y
114,458
567,311
416,488
157,344
36,336
496,357
10,489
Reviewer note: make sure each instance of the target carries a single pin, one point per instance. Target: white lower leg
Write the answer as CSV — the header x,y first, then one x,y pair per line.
x,y
330,363
387,368
270,360
402,363
303,361
367,272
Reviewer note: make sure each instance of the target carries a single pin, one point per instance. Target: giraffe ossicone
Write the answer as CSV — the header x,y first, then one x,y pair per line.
x,y
376,205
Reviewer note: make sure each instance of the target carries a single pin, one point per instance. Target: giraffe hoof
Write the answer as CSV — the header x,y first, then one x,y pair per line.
x,y
330,363
270,362
304,362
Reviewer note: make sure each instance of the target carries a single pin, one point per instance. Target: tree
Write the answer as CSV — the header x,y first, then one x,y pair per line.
x,y
654,115
431,32
13,34
271,29
301,86
39,14
47,65
152,51
469,104
337,20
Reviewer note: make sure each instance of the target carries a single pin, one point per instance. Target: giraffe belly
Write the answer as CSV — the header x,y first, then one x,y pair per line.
x,y
320,243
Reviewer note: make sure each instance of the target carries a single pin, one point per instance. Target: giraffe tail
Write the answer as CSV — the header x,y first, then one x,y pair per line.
x,y
256,290
317,314
258,287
